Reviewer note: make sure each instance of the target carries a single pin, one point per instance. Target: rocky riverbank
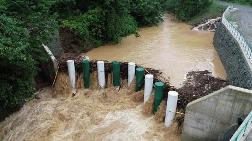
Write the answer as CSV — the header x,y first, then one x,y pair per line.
x,y
208,25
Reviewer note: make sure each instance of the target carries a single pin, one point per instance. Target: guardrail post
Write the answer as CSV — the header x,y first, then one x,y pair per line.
x,y
101,73
116,73
171,107
159,87
139,78
71,73
131,72
148,85
86,72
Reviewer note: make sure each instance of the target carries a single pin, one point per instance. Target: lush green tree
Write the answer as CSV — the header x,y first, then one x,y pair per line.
x,y
117,19
17,65
146,12
35,17
24,25
102,21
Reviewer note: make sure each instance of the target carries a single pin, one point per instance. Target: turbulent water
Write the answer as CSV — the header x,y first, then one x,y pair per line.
x,y
98,115
172,47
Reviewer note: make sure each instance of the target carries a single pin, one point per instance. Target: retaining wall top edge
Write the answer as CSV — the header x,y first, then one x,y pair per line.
x,y
227,88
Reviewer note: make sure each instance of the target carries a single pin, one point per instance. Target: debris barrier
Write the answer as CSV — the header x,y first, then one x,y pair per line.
x,y
131,72
139,78
86,73
148,85
71,73
159,88
198,84
101,73
171,107
116,73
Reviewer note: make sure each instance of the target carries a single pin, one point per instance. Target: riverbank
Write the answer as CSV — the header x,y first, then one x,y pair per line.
x,y
213,11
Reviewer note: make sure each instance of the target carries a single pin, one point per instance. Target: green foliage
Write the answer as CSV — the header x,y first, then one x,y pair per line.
x,y
101,21
187,9
88,26
17,65
24,25
146,12
118,21
118,27
35,16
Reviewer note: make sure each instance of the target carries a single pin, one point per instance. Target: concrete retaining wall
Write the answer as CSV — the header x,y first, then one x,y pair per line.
x,y
238,70
209,117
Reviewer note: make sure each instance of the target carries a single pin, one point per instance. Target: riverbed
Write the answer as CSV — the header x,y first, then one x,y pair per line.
x,y
171,47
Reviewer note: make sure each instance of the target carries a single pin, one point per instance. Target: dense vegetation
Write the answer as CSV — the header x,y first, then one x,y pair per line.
x,y
102,21
185,10
26,24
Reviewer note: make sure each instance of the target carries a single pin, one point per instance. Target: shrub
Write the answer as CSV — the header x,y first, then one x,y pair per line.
x,y
88,26
109,20
35,17
24,26
146,12
17,66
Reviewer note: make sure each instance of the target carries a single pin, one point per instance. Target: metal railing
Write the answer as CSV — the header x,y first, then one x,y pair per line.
x,y
244,45
245,128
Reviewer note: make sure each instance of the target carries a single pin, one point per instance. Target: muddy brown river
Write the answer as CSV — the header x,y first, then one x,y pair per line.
x,y
172,47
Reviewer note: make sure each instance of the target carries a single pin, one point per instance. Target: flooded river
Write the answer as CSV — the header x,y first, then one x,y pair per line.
x,y
171,47
108,114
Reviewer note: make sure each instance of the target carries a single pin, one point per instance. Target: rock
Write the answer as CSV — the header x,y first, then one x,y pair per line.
x,y
208,25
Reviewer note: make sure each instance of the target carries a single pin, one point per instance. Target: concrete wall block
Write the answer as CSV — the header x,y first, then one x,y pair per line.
x,y
209,117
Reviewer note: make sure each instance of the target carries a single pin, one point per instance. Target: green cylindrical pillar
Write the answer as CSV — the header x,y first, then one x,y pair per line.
x,y
116,73
86,72
139,78
159,87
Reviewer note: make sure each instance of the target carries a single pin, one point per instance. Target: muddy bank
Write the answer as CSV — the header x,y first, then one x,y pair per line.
x,y
197,85
71,43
